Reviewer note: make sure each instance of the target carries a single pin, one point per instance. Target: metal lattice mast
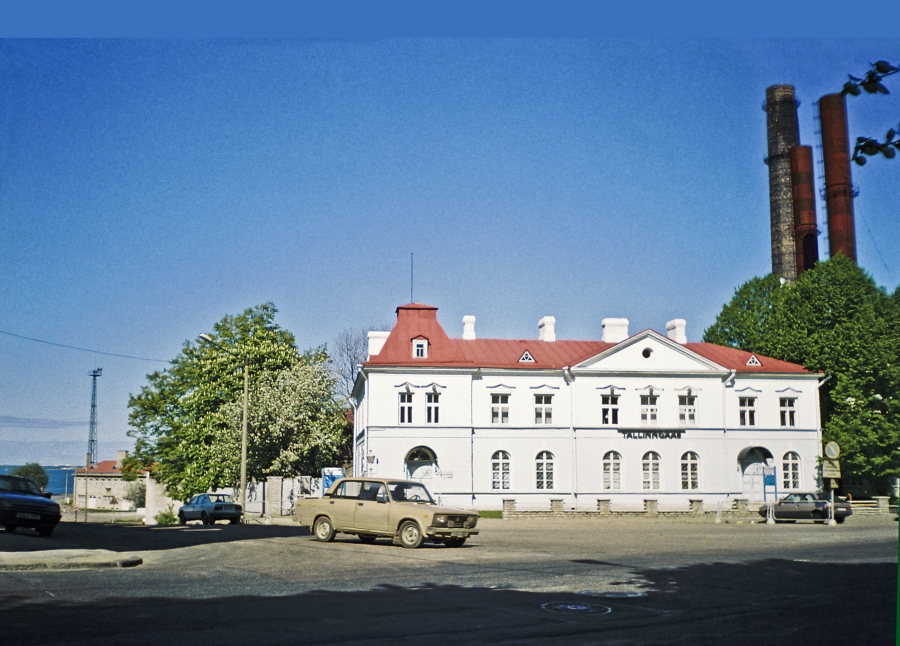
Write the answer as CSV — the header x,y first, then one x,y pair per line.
x,y
92,434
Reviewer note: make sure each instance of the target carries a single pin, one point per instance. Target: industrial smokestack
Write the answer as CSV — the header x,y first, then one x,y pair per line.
x,y
838,187
805,230
783,134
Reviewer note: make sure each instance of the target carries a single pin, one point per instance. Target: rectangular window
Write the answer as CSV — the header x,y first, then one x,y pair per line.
x,y
687,411
747,406
609,410
648,410
499,409
431,408
543,410
420,349
406,408
788,411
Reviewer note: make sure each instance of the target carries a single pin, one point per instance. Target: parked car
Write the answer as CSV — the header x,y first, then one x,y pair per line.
x,y
809,506
23,504
210,507
402,510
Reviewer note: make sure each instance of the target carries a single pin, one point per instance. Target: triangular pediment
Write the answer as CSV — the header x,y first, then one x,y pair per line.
x,y
649,351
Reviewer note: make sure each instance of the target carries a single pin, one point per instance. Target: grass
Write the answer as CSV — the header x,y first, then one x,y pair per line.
x,y
491,514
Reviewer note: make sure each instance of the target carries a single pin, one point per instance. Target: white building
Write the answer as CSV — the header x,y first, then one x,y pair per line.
x,y
624,419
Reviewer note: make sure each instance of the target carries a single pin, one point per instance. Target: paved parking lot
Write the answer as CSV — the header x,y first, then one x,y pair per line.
x,y
571,581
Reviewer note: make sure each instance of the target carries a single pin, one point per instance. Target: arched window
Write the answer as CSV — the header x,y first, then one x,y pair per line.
x,y
612,470
790,471
690,471
651,470
500,470
544,466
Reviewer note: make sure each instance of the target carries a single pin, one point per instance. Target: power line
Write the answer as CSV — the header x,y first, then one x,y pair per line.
x,y
72,347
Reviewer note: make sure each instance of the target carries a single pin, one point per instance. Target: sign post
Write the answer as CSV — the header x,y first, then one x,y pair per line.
x,y
770,481
831,469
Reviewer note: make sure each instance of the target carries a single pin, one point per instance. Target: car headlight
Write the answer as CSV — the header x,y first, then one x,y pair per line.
x,y
471,521
440,520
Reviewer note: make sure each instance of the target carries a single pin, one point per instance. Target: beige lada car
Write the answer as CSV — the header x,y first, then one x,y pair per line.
x,y
402,510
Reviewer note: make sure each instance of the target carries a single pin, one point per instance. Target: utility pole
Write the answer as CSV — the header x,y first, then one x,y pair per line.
x,y
92,434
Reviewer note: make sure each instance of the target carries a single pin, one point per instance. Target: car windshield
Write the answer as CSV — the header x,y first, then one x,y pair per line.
x,y
219,497
409,492
11,484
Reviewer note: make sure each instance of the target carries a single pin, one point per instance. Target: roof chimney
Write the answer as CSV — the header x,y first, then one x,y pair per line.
x,y
675,330
121,456
376,341
614,330
469,327
547,327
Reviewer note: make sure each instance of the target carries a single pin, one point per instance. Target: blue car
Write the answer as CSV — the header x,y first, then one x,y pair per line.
x,y
210,507
23,504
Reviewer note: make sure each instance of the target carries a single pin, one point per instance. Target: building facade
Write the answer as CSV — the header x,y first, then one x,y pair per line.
x,y
624,419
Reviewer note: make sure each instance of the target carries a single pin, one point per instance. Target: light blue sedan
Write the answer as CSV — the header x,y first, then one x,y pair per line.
x,y
210,507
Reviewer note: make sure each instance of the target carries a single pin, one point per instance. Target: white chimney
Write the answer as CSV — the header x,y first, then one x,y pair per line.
x,y
675,330
469,327
376,341
614,330
547,326
121,456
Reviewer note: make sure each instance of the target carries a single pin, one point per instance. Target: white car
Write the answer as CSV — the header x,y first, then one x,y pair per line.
x,y
210,507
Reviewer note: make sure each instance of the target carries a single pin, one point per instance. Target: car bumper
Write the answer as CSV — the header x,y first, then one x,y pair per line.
x,y
21,518
447,532
225,515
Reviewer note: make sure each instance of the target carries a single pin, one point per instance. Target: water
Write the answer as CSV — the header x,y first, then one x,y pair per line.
x,y
58,476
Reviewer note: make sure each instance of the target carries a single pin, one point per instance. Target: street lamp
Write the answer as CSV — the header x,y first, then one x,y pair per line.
x,y
243,497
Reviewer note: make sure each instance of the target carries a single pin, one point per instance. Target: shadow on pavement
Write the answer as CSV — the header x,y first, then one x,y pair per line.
x,y
773,601
134,538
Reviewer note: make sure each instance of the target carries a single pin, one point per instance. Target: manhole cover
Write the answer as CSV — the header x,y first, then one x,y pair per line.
x,y
577,607
612,595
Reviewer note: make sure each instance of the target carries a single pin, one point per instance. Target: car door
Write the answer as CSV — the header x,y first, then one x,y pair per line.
x,y
190,509
373,509
341,507
787,507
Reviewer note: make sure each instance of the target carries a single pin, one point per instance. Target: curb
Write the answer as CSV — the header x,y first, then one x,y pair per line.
x,y
66,560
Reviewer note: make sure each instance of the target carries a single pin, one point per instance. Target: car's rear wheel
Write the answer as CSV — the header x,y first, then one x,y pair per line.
x,y
455,542
206,519
181,518
410,535
10,528
323,529
234,521
840,519
367,538
44,531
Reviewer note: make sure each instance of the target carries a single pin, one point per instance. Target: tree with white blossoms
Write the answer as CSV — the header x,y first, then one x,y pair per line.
x,y
294,424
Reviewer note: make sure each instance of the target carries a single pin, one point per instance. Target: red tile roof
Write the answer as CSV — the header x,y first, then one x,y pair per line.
x,y
417,320
104,467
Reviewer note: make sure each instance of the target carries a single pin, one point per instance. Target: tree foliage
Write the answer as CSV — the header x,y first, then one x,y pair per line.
x,y
872,84
179,415
834,319
32,471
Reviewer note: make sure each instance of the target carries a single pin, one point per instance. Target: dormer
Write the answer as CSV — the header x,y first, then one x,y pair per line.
x,y
420,347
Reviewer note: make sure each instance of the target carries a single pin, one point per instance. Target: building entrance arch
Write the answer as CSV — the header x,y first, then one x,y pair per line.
x,y
421,464
752,461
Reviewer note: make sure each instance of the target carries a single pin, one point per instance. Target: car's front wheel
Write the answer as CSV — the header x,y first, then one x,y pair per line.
x,y
323,530
181,518
410,535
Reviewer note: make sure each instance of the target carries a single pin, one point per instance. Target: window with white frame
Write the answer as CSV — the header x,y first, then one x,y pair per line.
x,y
544,470
690,471
406,408
788,409
790,471
543,409
650,467
687,409
612,470
420,349
499,409
500,470
747,411
432,411
648,409
609,410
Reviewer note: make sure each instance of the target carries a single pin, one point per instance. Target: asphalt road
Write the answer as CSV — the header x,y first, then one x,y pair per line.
x,y
612,581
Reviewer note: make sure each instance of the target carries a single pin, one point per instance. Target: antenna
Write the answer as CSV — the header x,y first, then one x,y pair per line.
x,y
411,299
92,434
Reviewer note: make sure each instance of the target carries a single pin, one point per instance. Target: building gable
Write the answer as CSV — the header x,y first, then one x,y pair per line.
x,y
649,352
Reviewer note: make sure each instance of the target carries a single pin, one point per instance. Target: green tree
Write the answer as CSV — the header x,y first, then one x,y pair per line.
x,y
136,493
871,83
177,418
295,424
32,471
833,319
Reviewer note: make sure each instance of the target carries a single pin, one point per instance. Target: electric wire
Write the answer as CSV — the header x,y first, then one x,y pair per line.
x,y
72,347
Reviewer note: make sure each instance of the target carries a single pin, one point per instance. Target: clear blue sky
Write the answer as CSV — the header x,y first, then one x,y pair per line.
x,y
149,187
